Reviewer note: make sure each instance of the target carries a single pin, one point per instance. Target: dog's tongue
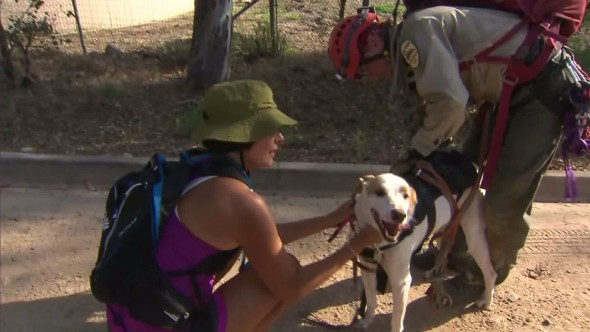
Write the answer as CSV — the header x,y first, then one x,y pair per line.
x,y
390,228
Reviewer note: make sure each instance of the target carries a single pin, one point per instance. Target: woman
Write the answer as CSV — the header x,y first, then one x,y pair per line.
x,y
217,215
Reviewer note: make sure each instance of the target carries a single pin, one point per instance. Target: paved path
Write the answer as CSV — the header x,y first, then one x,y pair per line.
x,y
49,241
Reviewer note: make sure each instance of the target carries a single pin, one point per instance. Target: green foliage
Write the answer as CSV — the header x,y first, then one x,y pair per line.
x,y
179,48
30,25
24,29
580,42
259,42
583,58
176,51
186,123
112,89
292,16
384,8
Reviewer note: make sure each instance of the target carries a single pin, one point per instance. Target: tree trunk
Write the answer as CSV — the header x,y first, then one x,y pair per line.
x,y
6,68
210,51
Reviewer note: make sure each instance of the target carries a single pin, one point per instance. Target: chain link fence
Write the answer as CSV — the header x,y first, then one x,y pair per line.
x,y
293,25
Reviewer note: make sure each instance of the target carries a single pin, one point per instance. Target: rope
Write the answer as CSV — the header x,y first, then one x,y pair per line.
x,y
450,232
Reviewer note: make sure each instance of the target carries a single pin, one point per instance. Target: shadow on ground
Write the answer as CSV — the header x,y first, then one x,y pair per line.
x,y
72,313
341,299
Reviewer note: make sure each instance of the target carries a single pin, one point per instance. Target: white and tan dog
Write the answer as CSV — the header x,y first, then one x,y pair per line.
x,y
388,202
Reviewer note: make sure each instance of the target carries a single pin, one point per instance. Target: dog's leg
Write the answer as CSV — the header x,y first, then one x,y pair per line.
x,y
400,281
474,227
369,279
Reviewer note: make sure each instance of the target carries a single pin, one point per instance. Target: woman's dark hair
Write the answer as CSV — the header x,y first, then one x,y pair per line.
x,y
225,147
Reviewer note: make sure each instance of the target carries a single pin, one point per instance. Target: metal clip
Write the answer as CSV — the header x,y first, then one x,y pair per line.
x,y
571,73
574,72
378,253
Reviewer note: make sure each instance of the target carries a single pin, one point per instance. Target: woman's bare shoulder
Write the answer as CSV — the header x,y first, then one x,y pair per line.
x,y
228,196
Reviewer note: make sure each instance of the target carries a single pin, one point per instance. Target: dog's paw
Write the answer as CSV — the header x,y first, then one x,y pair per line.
x,y
484,302
364,323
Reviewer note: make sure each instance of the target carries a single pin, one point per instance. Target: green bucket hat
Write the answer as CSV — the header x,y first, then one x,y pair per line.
x,y
239,111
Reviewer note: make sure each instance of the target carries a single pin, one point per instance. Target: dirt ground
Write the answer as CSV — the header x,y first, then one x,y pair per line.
x,y
49,242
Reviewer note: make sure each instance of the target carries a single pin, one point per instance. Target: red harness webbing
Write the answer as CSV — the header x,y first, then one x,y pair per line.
x,y
517,72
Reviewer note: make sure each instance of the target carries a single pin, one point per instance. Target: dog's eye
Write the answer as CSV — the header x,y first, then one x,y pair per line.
x,y
405,193
380,192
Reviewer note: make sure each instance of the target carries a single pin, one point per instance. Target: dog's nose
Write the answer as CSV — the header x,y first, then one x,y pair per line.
x,y
398,216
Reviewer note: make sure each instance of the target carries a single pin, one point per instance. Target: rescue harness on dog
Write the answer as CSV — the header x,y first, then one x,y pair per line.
x,y
429,184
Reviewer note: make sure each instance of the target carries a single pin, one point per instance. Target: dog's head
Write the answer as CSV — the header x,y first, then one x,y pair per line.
x,y
385,201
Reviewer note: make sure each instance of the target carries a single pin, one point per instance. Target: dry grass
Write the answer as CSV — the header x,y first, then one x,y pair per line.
x,y
135,103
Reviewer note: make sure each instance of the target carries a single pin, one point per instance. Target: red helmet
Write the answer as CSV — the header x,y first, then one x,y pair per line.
x,y
344,49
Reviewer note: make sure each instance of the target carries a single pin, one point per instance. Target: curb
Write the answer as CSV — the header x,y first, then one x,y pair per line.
x,y
99,172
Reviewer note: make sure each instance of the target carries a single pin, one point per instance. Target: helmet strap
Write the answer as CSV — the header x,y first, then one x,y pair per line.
x,y
361,17
372,58
395,12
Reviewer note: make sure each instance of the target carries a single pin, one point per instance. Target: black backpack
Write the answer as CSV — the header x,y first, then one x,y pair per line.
x,y
126,270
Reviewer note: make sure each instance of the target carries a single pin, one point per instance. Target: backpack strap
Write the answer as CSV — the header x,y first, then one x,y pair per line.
x,y
204,163
211,264
157,165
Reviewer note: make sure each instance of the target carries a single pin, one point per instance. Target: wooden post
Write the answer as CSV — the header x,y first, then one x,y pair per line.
x,y
6,68
210,50
274,34
79,25
342,8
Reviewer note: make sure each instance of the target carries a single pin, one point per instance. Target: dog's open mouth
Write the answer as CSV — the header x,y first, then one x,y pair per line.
x,y
389,230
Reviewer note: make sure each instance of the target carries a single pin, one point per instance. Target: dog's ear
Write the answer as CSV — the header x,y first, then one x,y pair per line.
x,y
413,198
360,182
358,188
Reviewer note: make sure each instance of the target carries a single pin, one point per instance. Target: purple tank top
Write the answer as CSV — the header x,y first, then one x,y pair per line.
x,y
178,249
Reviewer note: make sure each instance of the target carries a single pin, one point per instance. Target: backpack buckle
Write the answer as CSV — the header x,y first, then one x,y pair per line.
x,y
157,161
510,81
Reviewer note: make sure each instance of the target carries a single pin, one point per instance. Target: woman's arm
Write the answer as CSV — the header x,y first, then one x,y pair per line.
x,y
292,231
284,277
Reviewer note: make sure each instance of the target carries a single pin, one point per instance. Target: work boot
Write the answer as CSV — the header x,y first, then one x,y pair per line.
x,y
503,264
424,259
458,263
458,291
504,255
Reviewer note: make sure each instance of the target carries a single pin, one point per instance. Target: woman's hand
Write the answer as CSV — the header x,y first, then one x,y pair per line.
x,y
368,235
341,213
